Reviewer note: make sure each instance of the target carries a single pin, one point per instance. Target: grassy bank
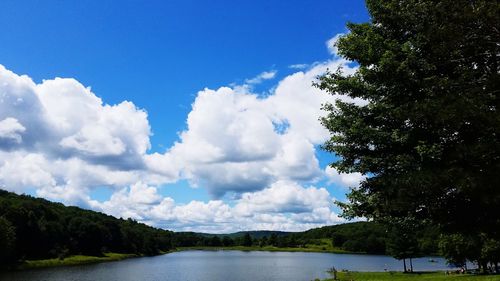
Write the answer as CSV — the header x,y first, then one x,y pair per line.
x,y
399,276
81,259
268,249
74,260
317,246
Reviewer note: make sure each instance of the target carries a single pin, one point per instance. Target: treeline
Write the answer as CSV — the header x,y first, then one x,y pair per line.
x,y
246,239
33,228
369,237
362,237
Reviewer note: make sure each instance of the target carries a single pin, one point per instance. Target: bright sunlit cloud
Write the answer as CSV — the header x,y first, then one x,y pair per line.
x,y
60,139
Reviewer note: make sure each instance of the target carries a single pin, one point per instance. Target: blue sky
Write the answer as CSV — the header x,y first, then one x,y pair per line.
x,y
160,55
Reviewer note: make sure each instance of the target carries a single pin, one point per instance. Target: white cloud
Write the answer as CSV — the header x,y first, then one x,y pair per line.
x,y
94,140
283,206
237,141
11,130
133,202
298,66
19,171
283,197
331,44
344,179
266,75
80,125
63,141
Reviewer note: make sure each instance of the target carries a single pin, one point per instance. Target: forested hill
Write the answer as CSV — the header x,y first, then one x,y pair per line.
x,y
34,228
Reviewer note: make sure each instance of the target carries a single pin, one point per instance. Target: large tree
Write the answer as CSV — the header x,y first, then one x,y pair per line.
x,y
428,134
402,242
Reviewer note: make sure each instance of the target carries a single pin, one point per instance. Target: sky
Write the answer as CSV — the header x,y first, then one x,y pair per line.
x,y
185,115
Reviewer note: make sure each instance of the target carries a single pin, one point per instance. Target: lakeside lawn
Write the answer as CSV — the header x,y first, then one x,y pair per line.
x,y
399,276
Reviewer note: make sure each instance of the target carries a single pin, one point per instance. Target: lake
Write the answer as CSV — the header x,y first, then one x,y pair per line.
x,y
221,266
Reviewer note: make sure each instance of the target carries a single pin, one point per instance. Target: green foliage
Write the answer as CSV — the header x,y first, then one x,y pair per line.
x,y
273,240
227,242
402,242
74,260
32,228
362,237
457,249
480,249
247,240
428,132
38,229
215,242
7,240
428,135
490,251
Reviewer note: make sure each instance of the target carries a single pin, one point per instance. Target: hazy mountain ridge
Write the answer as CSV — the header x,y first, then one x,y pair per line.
x,y
255,234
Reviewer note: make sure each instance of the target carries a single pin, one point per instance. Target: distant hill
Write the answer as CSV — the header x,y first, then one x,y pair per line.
x,y
255,234
362,236
313,233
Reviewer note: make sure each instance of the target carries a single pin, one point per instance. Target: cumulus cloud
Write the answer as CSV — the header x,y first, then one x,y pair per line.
x,y
282,206
237,141
283,197
61,140
86,127
11,130
19,171
344,179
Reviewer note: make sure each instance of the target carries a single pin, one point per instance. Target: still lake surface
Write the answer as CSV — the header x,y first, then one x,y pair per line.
x,y
222,266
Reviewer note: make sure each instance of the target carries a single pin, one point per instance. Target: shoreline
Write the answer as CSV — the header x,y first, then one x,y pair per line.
x,y
74,260
341,275
267,249
400,276
111,257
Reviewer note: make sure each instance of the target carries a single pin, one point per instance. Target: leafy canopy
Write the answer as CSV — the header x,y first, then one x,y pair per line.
x,y
428,136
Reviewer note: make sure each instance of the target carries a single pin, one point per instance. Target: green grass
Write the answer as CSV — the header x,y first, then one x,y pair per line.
x,y
399,276
74,260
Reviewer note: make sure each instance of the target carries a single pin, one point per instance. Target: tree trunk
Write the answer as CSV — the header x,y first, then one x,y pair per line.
x,y
404,265
484,266
411,265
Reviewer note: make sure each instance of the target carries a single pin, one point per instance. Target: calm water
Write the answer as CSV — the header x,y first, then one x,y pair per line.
x,y
221,266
